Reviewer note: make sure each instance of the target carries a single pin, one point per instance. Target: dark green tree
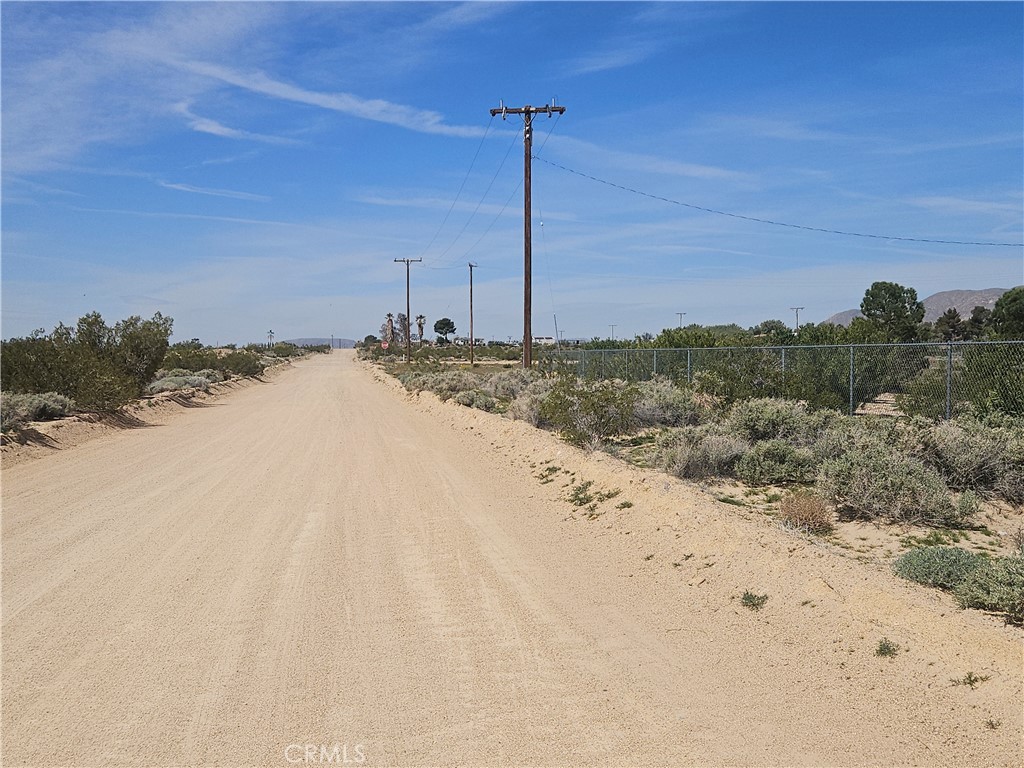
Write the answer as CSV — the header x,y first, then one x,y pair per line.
x,y
950,326
895,309
1008,315
978,323
773,333
443,327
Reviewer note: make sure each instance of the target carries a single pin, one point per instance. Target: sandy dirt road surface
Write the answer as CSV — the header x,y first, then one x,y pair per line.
x,y
324,560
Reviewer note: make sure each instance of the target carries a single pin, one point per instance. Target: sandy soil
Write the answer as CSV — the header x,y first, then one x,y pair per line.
x,y
324,560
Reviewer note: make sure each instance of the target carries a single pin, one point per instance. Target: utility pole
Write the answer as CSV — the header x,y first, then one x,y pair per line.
x,y
408,336
797,310
527,112
613,331
472,266
681,315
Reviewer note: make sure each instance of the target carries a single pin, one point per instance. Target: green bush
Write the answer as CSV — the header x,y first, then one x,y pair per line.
x,y
586,413
996,585
242,363
925,394
875,480
661,403
17,409
942,567
191,356
98,366
700,453
773,418
775,461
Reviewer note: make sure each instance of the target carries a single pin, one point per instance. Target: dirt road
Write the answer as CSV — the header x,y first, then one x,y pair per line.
x,y
322,568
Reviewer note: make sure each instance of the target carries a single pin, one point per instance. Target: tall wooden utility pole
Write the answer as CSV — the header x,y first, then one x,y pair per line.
x,y
797,310
472,266
408,335
527,112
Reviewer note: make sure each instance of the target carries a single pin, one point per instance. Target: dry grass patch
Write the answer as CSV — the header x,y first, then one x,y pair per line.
x,y
806,511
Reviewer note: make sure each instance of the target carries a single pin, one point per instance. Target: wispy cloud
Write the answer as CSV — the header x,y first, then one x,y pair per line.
x,y
378,110
195,216
623,55
208,125
653,163
992,140
959,205
771,127
214,192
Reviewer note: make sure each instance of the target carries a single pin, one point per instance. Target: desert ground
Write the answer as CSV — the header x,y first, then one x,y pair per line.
x,y
322,566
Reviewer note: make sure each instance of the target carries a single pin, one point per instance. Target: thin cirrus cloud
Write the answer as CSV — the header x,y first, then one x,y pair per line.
x,y
214,192
378,110
210,126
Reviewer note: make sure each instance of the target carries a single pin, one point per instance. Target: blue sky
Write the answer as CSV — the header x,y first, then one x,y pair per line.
x,y
253,166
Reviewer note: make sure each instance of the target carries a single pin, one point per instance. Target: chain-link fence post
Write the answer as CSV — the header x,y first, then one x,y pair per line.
x,y
949,380
655,362
689,374
851,380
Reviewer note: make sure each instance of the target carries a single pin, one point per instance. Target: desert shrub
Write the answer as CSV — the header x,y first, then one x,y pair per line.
x,y
661,403
17,409
875,480
475,398
775,461
995,585
807,511
508,385
211,375
587,412
526,406
971,454
700,453
190,356
98,366
175,383
445,384
243,363
777,419
163,373
942,567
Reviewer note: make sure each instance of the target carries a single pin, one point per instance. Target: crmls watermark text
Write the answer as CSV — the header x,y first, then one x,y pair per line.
x,y
332,754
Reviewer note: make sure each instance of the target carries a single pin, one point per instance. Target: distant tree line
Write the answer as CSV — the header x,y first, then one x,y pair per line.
x,y
890,313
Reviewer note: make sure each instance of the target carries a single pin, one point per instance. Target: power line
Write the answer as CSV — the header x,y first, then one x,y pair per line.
x,y
482,198
772,222
461,186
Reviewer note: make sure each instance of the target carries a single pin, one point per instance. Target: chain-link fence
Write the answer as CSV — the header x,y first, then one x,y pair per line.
x,y
935,380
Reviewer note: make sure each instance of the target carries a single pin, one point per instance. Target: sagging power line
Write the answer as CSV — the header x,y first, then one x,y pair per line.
x,y
771,222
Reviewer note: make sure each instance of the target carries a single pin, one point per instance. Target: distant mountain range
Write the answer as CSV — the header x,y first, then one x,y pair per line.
x,y
338,343
935,305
